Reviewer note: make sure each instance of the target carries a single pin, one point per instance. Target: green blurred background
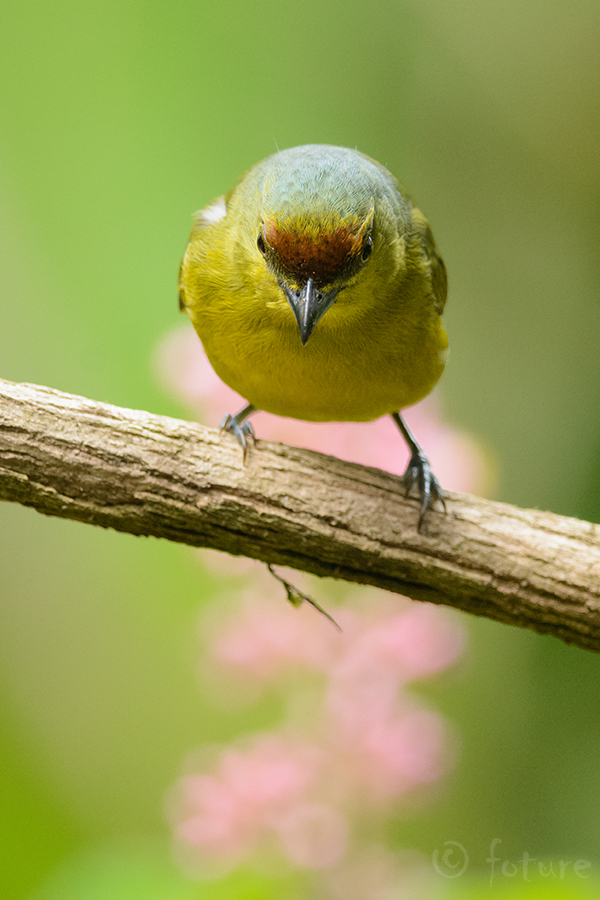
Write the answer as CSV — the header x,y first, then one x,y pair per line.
x,y
117,121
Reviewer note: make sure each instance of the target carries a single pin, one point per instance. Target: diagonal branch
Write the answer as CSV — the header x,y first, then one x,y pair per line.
x,y
153,475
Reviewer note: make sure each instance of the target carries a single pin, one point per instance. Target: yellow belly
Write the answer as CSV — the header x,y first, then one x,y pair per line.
x,y
348,370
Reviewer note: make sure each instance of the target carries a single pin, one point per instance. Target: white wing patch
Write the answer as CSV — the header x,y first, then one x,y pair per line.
x,y
215,212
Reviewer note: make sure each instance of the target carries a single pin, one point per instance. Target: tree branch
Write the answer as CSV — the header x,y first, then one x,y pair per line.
x,y
153,475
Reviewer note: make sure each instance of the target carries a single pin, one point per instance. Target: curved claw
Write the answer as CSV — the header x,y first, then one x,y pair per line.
x,y
239,428
419,475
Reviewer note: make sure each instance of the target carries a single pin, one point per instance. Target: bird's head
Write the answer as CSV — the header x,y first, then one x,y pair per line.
x,y
314,258
315,216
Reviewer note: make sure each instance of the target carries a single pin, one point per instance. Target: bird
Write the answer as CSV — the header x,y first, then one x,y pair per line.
x,y
316,288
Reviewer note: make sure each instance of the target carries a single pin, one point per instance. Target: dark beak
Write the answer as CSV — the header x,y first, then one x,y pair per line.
x,y
308,305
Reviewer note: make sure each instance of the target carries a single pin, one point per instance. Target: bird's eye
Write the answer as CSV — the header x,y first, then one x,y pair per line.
x,y
367,247
260,243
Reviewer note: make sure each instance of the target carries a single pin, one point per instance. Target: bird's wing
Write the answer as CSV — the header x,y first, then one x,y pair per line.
x,y
432,259
203,219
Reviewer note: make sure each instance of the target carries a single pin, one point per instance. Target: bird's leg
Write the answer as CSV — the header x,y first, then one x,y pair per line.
x,y
419,474
239,428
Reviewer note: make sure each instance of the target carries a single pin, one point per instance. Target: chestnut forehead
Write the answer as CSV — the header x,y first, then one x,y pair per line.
x,y
317,252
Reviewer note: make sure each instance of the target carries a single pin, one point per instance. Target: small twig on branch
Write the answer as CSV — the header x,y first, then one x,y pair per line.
x,y
297,598
153,475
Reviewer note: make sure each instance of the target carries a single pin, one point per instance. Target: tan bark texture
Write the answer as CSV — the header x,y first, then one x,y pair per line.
x,y
152,475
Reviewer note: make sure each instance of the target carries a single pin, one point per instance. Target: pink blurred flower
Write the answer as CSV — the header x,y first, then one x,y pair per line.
x,y
261,638
392,640
358,743
403,641
389,756
252,795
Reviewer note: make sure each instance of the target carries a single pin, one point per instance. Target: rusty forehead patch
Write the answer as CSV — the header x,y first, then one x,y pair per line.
x,y
315,250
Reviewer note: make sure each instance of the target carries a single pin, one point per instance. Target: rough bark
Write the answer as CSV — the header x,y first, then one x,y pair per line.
x,y
152,475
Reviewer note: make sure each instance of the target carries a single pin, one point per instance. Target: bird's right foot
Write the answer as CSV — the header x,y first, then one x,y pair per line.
x,y
240,428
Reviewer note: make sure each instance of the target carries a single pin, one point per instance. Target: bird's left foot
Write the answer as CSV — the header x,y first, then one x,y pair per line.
x,y
419,476
239,428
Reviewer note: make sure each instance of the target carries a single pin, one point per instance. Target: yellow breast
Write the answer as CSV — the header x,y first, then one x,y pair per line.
x,y
363,360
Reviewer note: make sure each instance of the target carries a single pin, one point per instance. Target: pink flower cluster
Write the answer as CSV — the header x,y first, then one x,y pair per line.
x,y
258,793
355,741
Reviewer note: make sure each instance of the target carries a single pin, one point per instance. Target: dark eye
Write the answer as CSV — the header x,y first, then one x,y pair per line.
x,y
260,243
367,247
